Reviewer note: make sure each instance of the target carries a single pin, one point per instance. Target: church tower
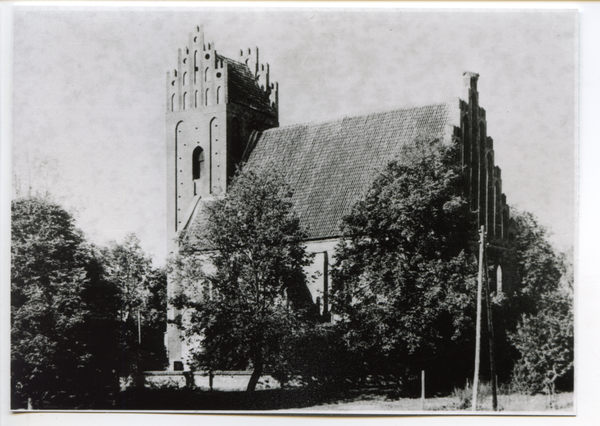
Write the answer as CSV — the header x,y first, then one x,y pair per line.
x,y
214,107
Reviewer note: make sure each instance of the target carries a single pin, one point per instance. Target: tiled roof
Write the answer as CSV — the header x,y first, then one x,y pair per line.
x,y
243,88
331,165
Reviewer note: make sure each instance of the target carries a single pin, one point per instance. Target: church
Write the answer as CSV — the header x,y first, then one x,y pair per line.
x,y
221,112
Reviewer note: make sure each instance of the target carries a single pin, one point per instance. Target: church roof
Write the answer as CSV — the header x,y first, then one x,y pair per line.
x,y
331,165
243,89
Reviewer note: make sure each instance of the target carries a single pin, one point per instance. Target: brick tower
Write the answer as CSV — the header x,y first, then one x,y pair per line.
x,y
214,105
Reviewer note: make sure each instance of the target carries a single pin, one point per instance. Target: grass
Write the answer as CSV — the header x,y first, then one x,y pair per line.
x,y
303,400
563,403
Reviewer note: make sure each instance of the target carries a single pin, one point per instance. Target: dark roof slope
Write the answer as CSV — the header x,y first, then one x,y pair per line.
x,y
243,89
331,165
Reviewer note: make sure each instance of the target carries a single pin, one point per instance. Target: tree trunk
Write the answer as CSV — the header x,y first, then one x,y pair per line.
x,y
258,369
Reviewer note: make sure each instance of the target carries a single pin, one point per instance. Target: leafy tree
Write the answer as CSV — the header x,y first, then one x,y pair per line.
x,y
543,307
545,343
404,284
129,268
539,267
242,279
62,327
142,307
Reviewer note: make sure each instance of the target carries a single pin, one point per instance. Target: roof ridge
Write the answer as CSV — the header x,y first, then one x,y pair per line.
x,y
373,113
233,61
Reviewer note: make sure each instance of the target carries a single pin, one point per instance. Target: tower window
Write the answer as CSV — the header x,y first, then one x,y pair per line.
x,y
195,66
197,162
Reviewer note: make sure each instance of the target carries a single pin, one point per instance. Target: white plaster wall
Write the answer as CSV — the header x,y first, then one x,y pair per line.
x,y
315,272
179,350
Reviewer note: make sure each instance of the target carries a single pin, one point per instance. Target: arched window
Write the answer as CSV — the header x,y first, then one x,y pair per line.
x,y
197,163
197,168
219,95
466,143
195,67
206,103
468,163
479,166
489,173
184,99
184,76
206,74
499,279
173,102
497,209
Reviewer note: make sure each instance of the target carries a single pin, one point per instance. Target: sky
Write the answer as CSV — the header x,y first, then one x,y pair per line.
x,y
89,90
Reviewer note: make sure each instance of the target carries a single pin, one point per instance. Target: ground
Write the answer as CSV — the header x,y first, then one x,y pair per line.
x,y
305,401
507,403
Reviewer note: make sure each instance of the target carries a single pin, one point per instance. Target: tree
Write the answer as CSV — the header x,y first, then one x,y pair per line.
x,y
545,343
142,306
543,306
404,283
61,335
242,279
129,268
539,267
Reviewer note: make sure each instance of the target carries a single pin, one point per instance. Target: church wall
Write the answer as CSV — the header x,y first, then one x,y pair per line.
x,y
218,381
319,273
203,118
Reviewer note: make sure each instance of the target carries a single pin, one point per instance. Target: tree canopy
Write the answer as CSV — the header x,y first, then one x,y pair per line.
x,y
404,283
142,306
539,266
63,334
542,331
73,328
241,276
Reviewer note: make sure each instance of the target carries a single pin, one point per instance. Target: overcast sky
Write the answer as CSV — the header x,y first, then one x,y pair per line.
x,y
89,95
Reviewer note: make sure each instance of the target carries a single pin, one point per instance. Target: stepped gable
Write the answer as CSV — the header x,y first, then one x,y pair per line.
x,y
243,88
331,165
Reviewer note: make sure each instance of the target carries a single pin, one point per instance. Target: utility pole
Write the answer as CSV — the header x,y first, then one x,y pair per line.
x,y
478,318
490,335
139,327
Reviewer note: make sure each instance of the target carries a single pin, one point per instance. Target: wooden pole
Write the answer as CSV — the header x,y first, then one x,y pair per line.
x,y
478,318
139,328
490,325
422,390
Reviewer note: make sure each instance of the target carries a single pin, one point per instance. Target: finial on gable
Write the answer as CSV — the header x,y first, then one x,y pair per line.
x,y
470,85
247,58
470,79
